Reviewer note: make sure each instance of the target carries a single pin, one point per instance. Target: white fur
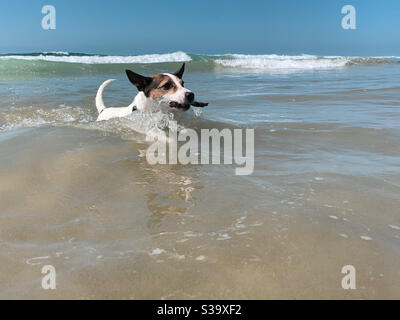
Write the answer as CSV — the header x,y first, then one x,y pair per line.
x,y
141,102
99,96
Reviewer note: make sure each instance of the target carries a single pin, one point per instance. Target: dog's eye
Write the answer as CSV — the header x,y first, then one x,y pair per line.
x,y
167,86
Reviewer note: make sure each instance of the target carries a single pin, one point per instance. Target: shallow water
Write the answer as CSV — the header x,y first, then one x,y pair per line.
x,y
81,196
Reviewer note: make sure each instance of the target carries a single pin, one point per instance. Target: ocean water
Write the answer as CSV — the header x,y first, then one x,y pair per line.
x,y
80,195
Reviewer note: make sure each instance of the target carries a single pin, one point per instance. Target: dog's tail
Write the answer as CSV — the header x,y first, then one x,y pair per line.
x,y
99,96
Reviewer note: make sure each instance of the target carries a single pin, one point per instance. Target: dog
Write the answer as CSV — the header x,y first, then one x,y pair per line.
x,y
160,92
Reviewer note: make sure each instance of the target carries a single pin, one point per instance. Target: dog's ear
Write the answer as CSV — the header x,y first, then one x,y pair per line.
x,y
180,72
140,82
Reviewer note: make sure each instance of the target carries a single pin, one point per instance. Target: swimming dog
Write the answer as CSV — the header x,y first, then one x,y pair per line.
x,y
160,92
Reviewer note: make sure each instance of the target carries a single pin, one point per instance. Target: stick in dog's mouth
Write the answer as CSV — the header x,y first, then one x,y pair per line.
x,y
176,105
199,104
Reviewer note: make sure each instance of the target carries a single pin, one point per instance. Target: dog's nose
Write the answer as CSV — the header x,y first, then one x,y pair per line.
x,y
189,96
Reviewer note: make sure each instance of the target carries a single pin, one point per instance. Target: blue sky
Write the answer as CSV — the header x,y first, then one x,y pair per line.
x,y
206,26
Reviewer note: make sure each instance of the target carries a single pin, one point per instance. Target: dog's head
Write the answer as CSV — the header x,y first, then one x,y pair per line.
x,y
165,88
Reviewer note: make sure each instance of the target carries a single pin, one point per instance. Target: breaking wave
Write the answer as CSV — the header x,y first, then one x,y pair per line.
x,y
99,59
65,63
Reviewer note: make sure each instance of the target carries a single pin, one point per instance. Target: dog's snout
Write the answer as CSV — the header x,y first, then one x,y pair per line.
x,y
189,96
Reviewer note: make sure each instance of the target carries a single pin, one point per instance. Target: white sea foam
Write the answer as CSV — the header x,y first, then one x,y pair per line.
x,y
366,238
157,252
63,57
25,123
282,62
265,62
138,126
31,117
61,53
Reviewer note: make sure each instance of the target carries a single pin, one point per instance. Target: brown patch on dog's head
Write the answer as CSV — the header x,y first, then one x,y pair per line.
x,y
160,86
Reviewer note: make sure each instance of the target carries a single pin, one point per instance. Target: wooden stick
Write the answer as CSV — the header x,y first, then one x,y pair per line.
x,y
199,104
